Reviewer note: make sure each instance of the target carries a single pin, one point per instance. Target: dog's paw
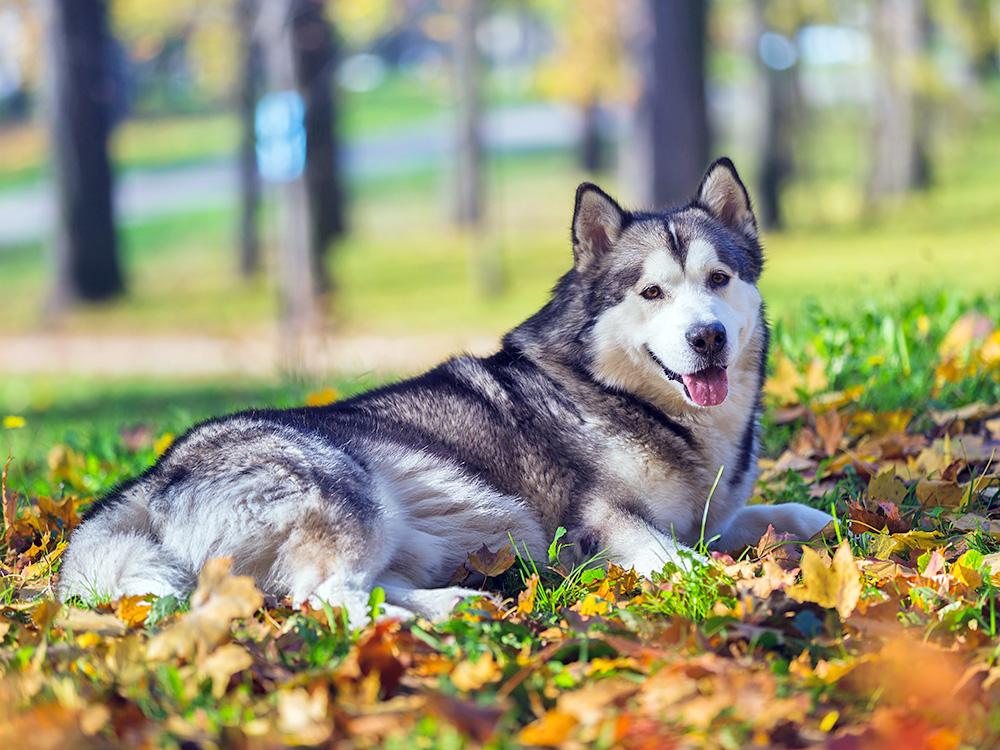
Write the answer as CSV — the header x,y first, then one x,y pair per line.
x,y
433,604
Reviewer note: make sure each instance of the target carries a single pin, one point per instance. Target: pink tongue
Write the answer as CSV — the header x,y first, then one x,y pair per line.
x,y
707,387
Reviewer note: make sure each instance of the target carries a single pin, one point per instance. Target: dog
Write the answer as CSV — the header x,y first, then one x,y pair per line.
x,y
609,412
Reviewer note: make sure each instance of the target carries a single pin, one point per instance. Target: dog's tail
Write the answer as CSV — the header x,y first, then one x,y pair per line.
x,y
114,554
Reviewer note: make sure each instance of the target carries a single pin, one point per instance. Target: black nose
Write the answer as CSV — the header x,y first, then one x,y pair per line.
x,y
708,339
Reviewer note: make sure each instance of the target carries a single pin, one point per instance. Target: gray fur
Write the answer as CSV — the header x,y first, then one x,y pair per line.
x,y
568,424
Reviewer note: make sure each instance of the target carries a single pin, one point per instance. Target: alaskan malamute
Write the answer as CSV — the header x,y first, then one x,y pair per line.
x,y
609,412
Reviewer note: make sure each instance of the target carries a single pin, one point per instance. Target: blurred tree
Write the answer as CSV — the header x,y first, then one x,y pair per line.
x,y
901,127
587,67
82,97
468,147
298,48
248,91
672,117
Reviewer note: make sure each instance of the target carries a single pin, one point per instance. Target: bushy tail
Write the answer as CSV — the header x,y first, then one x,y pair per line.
x,y
113,554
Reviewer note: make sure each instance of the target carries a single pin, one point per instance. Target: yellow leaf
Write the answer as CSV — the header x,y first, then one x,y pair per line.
x,y
14,422
222,664
783,385
472,675
990,351
219,599
836,587
133,610
886,486
829,721
886,545
526,599
549,731
302,717
591,606
322,397
969,328
491,564
816,380
163,442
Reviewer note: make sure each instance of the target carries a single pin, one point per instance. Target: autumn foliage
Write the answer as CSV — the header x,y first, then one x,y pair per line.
x,y
880,633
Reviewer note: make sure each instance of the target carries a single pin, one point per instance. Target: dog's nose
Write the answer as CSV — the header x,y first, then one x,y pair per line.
x,y
707,339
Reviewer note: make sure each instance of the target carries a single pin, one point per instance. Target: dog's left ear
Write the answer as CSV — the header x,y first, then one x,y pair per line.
x,y
723,195
597,224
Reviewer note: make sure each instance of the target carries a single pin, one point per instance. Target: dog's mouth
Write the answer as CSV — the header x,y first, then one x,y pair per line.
x,y
706,387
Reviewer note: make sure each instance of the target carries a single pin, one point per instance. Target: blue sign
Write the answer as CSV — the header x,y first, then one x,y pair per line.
x,y
279,123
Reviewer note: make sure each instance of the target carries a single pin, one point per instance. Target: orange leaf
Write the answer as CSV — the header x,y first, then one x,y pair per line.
x,y
551,730
491,564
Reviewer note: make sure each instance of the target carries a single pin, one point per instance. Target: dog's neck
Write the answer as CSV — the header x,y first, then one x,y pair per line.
x,y
557,340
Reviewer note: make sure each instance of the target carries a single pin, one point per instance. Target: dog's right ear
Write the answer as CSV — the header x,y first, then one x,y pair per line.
x,y
597,224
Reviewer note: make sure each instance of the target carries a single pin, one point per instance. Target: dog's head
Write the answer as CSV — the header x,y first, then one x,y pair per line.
x,y
672,295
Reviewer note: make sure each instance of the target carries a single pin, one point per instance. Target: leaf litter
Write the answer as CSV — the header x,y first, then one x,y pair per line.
x,y
881,632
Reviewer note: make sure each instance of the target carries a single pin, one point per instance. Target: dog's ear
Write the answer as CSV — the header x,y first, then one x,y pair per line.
x,y
723,195
597,224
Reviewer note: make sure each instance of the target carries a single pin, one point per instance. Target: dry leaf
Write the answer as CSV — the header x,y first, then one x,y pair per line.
x,y
526,599
491,564
887,486
933,493
835,587
551,730
219,599
472,675
222,664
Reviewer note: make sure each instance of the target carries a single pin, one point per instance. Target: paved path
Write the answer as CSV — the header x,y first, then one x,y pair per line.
x,y
205,356
26,213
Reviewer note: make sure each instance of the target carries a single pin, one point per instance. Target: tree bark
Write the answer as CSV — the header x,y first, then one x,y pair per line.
x,y
673,113
298,285
87,267
315,61
247,94
592,146
900,130
468,209
777,131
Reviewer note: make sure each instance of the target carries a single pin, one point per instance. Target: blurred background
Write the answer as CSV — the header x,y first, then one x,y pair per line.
x,y
243,189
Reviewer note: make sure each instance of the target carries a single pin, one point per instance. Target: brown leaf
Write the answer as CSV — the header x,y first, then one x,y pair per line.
x,y
9,503
933,493
830,429
222,664
471,674
472,719
492,564
219,599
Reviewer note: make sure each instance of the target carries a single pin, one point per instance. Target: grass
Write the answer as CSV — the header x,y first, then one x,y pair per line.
x,y
684,656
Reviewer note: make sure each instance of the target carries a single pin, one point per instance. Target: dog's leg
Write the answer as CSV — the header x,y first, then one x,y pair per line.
x,y
632,542
748,524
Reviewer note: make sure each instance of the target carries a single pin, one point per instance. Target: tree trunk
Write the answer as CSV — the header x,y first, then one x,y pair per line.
x,y
87,268
673,115
777,131
298,285
468,209
900,138
315,61
248,92
592,151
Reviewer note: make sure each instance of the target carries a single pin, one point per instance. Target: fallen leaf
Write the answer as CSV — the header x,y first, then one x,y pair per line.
x,y
883,546
933,493
222,664
473,674
887,486
133,610
526,599
551,730
835,587
323,397
492,564
219,599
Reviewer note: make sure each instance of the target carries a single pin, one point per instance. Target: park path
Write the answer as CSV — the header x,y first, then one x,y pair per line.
x,y
27,212
196,356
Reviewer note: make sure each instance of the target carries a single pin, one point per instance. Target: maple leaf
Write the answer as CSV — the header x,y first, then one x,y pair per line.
x,y
935,493
837,586
492,564
887,486
885,545
219,599
550,730
473,674
526,599
133,610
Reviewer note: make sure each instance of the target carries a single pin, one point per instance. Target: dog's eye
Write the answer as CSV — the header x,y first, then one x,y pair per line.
x,y
718,279
652,292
